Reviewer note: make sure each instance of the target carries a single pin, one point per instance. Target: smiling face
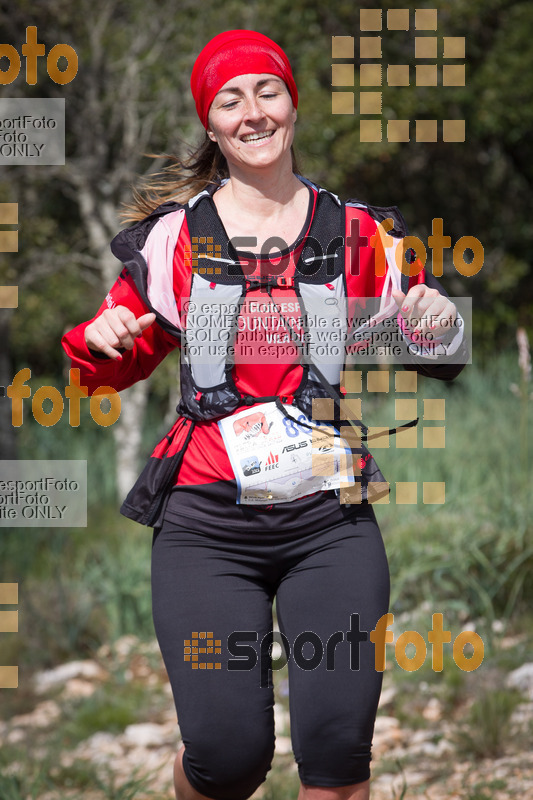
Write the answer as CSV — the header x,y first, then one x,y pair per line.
x,y
252,120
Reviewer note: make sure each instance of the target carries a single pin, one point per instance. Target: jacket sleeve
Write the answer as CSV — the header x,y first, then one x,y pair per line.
x,y
371,263
149,349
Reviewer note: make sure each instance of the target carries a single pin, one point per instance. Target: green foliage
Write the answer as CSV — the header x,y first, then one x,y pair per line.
x,y
114,788
281,784
58,302
21,787
486,730
27,779
79,588
484,790
111,708
62,441
44,775
80,774
123,593
474,555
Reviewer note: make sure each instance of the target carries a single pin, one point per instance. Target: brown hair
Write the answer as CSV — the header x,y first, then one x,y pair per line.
x,y
181,179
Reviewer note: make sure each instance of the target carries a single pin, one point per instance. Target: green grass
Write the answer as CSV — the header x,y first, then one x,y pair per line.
x,y
474,554
111,708
485,732
281,783
39,776
484,790
78,588
17,787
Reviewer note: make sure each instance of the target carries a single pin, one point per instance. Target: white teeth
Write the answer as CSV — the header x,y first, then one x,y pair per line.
x,y
253,137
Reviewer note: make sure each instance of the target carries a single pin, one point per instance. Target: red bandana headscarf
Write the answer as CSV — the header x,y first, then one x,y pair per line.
x,y
235,53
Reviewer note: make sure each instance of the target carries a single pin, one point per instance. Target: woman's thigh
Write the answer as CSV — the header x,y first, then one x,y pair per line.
x,y
328,603
203,591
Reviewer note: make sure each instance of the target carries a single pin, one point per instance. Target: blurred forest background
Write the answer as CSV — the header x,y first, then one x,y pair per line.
x,y
472,559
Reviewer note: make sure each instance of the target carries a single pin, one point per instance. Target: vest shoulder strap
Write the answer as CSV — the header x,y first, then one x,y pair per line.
x,y
399,229
380,213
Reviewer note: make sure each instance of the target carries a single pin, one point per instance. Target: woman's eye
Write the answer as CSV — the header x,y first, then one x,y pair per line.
x,y
232,103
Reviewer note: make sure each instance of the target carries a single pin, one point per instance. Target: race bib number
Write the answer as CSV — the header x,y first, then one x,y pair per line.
x,y
277,459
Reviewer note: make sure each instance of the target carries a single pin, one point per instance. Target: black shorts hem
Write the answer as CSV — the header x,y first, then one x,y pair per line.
x,y
315,780
207,792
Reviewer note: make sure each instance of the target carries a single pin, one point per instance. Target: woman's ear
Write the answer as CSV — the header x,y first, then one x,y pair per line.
x,y
211,135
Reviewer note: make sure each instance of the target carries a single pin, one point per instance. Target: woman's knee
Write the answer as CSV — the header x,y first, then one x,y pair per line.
x,y
228,768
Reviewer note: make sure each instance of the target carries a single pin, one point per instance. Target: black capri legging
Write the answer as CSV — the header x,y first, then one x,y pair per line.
x,y
224,584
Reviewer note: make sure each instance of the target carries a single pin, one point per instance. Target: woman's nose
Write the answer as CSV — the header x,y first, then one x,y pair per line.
x,y
253,110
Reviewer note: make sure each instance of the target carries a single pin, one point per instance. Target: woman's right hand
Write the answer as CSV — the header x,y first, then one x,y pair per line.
x,y
116,327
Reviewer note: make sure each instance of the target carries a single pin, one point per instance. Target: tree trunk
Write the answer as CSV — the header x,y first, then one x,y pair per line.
x,y
128,436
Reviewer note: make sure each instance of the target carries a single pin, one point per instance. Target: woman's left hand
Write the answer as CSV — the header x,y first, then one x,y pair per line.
x,y
426,310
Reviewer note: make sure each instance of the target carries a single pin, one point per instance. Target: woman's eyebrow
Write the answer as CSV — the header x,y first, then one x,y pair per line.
x,y
237,90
